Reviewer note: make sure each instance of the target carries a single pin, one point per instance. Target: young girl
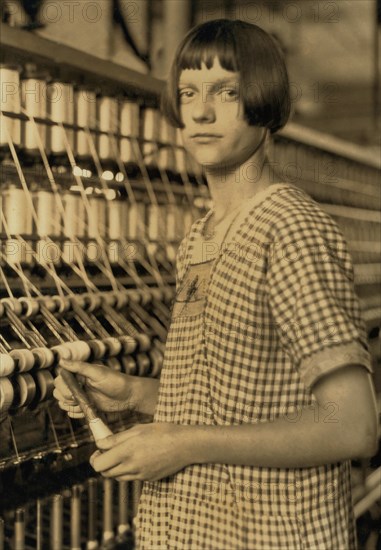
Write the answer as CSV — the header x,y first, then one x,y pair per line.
x,y
265,393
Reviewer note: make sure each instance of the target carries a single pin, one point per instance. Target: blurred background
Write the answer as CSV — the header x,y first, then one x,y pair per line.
x,y
332,47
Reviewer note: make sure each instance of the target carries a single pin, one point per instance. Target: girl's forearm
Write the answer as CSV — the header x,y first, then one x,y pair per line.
x,y
315,437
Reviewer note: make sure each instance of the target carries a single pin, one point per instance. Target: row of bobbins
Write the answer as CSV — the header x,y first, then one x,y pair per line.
x,y
113,220
338,177
29,307
92,514
60,101
25,388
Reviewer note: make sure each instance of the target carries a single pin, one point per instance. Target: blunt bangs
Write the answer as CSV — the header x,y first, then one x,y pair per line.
x,y
204,46
239,47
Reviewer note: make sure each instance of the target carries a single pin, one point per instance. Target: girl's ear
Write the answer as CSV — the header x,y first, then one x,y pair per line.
x,y
267,143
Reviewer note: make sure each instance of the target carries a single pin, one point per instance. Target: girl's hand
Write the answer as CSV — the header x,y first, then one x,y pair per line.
x,y
146,452
108,389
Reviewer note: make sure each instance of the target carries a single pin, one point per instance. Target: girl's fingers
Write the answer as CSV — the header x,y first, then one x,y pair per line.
x,y
75,415
93,372
110,459
116,439
62,389
120,470
71,409
63,397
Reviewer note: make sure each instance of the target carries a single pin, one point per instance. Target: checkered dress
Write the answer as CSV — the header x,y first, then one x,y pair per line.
x,y
251,331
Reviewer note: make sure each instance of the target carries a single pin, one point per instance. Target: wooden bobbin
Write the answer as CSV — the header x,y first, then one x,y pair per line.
x,y
43,357
23,358
143,364
25,390
10,74
129,345
113,345
96,226
144,341
50,304
2,310
62,304
92,515
7,394
61,352
156,294
79,351
108,516
60,105
151,132
30,306
134,296
19,528
85,115
136,228
56,522
121,299
20,222
47,250
13,304
98,349
75,518
45,384
156,362
116,229
7,364
109,299
94,302
145,297
79,300
123,511
129,126
96,424
107,115
129,365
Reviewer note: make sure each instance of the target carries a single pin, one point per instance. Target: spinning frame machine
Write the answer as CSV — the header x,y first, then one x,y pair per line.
x,y
97,193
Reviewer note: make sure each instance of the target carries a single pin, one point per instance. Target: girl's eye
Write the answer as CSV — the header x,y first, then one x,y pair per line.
x,y
186,95
229,94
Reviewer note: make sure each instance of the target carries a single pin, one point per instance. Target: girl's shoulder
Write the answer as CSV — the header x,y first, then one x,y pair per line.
x,y
291,210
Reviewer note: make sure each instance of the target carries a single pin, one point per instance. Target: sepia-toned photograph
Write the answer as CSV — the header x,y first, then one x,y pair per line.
x,y
190,275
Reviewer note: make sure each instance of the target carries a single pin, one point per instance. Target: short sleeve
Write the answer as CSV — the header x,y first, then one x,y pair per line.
x,y
312,298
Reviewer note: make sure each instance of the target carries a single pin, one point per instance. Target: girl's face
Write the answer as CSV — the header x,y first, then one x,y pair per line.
x,y
215,132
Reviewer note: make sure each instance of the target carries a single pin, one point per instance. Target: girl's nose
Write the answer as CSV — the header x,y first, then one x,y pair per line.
x,y
203,110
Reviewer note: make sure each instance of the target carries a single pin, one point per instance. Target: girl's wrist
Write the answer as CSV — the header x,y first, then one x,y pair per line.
x,y
132,391
141,394
194,442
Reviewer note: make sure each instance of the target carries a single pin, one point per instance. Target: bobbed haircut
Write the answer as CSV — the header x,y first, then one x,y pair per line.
x,y
240,47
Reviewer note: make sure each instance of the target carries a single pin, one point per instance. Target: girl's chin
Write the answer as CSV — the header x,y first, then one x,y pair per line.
x,y
210,167
210,161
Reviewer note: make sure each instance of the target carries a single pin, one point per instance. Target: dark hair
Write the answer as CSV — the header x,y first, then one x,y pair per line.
x,y
240,47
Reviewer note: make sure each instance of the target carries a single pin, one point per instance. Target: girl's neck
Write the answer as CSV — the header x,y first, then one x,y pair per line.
x,y
231,187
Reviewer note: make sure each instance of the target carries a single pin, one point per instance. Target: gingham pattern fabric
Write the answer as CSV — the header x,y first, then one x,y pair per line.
x,y
278,312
